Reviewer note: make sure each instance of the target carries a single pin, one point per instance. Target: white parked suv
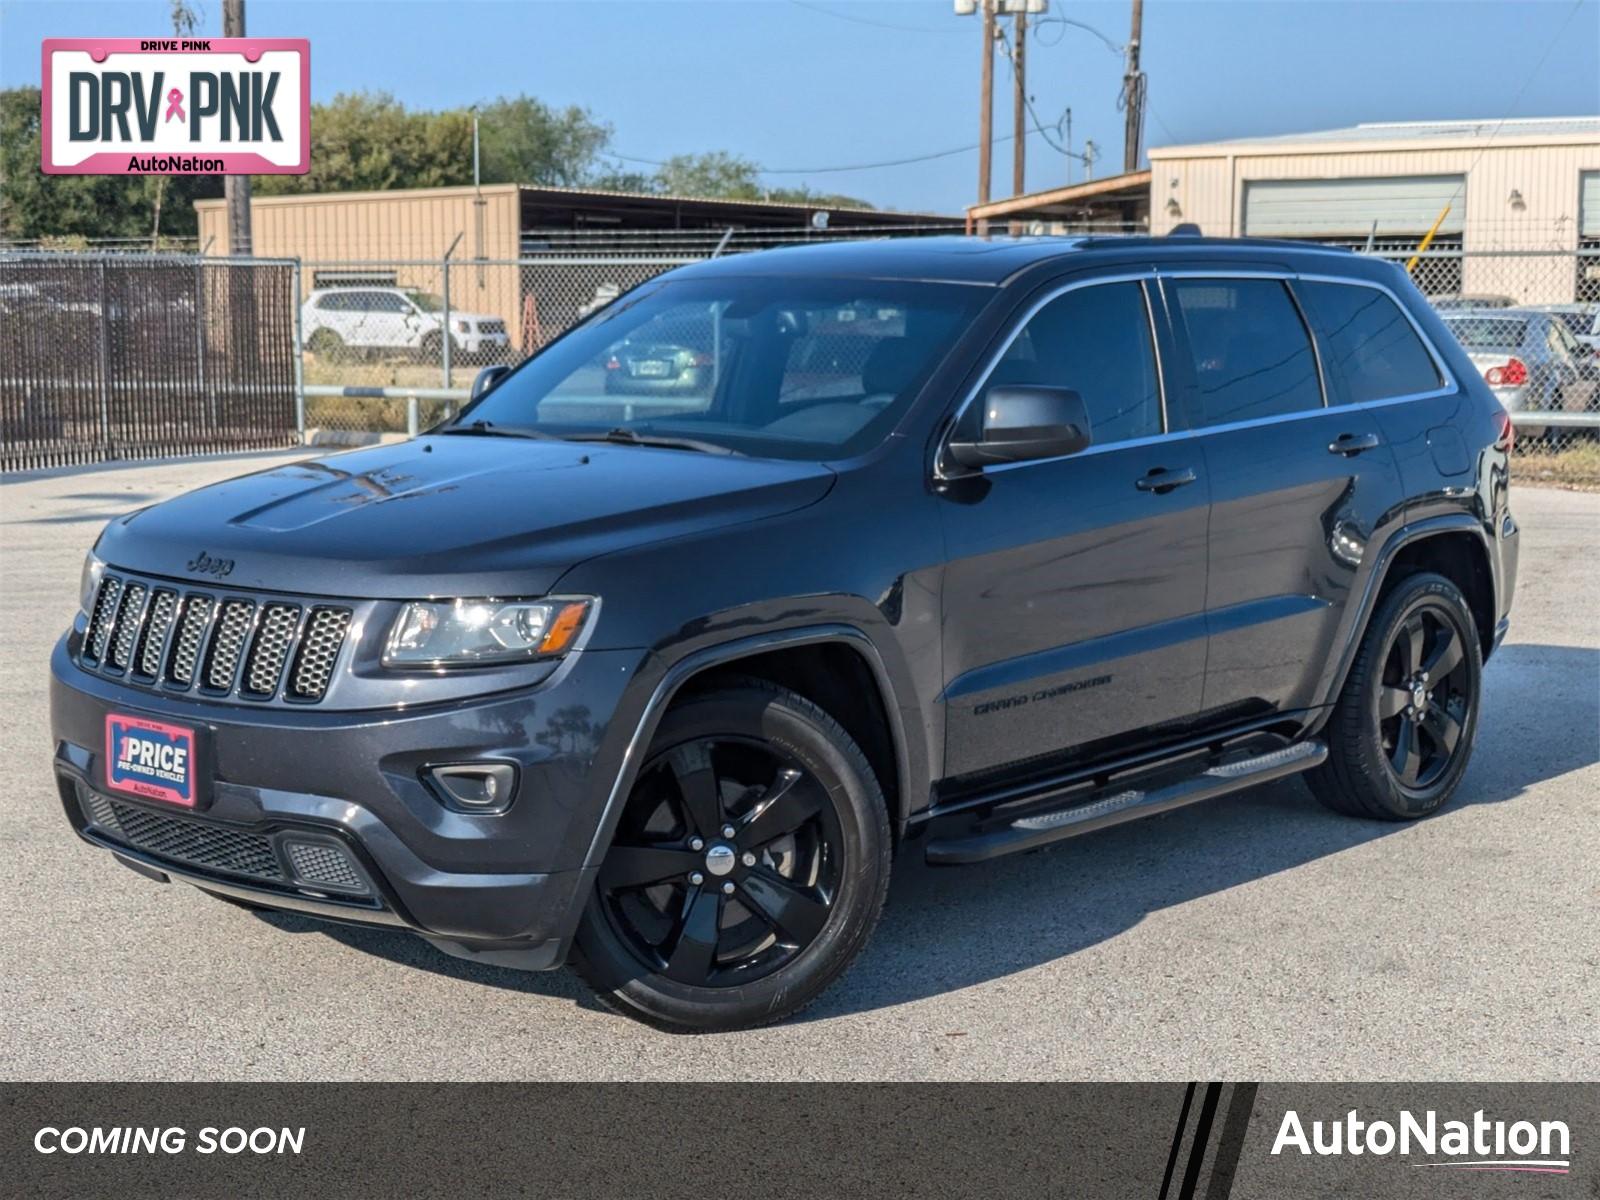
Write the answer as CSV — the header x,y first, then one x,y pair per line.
x,y
336,322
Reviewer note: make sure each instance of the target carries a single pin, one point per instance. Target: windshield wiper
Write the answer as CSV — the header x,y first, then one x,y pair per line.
x,y
623,436
489,429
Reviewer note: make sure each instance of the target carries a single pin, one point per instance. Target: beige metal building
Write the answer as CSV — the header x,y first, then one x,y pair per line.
x,y
1505,188
400,237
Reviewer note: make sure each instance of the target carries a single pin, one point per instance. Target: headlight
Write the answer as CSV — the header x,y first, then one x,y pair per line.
x,y
448,633
89,582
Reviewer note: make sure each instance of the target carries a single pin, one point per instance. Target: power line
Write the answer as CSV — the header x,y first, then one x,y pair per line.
x,y
1038,128
851,17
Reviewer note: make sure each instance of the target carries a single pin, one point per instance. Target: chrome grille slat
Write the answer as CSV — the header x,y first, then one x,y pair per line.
x,y
130,619
227,644
153,638
186,645
319,650
270,651
105,616
260,648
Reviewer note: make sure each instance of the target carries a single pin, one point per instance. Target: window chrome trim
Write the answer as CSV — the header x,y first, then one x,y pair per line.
x,y
1449,385
1142,278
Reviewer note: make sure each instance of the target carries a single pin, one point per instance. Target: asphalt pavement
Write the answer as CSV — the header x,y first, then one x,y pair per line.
x,y
1255,937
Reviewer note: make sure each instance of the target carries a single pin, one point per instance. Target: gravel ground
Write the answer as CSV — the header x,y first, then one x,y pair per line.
x,y
1254,937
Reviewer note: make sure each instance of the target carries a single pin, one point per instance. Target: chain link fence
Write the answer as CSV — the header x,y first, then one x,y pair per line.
x,y
122,355
136,356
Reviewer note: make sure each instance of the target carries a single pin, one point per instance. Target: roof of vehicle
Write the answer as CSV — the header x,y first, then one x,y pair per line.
x,y
993,261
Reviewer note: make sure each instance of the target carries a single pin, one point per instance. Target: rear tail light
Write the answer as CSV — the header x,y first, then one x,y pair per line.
x,y
1507,440
613,364
1512,374
700,360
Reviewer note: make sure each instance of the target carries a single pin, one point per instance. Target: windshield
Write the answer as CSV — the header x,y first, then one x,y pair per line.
x,y
777,367
427,301
1487,333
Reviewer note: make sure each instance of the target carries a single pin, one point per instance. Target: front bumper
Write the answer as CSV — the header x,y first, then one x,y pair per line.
x,y
507,887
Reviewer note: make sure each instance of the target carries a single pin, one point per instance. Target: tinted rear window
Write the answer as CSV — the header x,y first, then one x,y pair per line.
x,y
1252,354
1369,342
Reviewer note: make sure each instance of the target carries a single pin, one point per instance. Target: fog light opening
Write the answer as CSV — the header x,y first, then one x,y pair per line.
x,y
481,787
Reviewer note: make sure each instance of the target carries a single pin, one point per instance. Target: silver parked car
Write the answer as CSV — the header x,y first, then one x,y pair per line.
x,y
1582,319
1529,359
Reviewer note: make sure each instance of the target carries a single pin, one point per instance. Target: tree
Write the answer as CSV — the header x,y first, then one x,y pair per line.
x,y
35,205
720,175
523,140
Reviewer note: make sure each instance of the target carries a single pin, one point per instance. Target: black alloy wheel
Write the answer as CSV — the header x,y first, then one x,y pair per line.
x,y
1424,700
726,864
747,869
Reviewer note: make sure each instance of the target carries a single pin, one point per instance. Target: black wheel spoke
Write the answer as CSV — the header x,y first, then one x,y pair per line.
x,y
1410,643
638,866
697,783
693,946
789,803
1444,729
796,915
1407,757
1446,656
1392,701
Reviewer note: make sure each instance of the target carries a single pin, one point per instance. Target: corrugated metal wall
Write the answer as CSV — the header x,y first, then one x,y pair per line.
x,y
373,225
1209,186
1396,206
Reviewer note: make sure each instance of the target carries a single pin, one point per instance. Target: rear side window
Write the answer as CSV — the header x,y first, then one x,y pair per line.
x,y
1252,355
1095,341
1369,343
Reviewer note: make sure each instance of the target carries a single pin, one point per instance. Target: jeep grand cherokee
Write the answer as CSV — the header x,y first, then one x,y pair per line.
x,y
964,547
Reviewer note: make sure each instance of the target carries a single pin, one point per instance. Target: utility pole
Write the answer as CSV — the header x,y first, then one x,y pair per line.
x,y
1133,94
236,188
1019,106
986,103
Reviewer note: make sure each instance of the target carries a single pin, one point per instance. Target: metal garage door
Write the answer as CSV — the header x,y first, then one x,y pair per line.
x,y
1326,208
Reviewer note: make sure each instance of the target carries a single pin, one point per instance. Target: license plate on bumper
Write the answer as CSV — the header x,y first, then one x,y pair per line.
x,y
150,759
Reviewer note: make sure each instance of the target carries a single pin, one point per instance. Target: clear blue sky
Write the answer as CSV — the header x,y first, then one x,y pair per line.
x,y
823,83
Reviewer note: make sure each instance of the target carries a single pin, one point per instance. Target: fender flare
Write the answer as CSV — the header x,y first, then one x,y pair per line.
x,y
1444,523
696,663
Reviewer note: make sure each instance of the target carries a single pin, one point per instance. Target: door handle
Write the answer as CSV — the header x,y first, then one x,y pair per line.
x,y
1160,480
1350,444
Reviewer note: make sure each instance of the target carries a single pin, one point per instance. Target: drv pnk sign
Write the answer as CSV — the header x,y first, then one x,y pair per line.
x,y
176,106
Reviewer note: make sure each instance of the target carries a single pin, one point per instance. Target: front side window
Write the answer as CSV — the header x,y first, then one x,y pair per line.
x,y
778,367
1369,342
1095,341
1251,353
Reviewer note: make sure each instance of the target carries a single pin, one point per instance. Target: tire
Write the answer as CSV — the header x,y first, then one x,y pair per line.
x,y
1423,625
756,758
325,343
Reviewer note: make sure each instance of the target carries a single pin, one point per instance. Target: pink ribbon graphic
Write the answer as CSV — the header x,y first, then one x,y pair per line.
x,y
175,105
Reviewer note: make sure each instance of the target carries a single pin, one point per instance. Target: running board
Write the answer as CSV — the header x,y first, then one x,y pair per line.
x,y
1042,828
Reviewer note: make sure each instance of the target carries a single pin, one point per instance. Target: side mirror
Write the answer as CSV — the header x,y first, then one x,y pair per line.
x,y
487,378
1022,423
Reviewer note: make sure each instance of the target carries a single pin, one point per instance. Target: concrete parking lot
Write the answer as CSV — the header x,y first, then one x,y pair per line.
x,y
1255,937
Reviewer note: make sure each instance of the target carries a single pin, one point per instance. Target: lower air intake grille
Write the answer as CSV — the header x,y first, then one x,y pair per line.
x,y
197,843
317,863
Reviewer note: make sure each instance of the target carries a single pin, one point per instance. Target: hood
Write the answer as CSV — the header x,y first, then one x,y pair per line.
x,y
442,516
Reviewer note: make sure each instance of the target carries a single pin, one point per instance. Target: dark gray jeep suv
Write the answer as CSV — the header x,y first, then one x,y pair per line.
x,y
953,546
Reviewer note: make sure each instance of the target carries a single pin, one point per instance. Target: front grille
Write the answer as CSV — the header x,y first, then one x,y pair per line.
x,y
198,843
313,665
227,646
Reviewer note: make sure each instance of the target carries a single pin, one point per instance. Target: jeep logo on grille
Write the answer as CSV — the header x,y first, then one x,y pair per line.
x,y
204,564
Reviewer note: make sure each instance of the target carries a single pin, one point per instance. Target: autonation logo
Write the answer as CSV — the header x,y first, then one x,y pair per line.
x,y
1542,1148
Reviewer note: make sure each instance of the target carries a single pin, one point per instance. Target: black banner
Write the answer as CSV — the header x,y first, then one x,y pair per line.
x,y
1163,1141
